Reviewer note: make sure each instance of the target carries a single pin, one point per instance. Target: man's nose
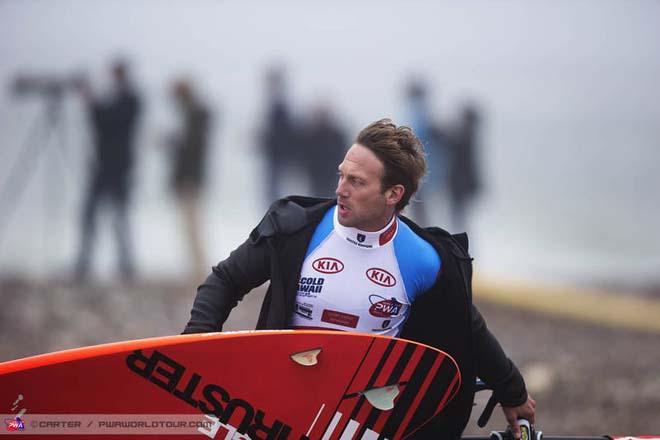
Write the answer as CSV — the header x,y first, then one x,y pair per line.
x,y
341,189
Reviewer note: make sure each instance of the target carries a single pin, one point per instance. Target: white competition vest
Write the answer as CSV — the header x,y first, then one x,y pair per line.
x,y
354,280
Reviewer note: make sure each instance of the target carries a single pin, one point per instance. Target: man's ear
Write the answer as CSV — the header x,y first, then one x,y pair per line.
x,y
394,194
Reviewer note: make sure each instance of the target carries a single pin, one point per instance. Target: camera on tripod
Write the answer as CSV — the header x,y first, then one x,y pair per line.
x,y
47,85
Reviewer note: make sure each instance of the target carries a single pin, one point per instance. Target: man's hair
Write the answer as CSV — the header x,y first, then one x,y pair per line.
x,y
401,152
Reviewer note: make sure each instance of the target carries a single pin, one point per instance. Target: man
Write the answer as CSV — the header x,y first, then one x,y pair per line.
x,y
323,142
434,139
113,119
279,143
424,272
189,147
463,177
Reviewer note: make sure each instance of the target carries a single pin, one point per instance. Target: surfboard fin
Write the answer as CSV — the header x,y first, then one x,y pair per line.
x,y
307,358
382,398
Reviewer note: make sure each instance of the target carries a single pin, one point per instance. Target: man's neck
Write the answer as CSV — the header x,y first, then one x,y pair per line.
x,y
367,239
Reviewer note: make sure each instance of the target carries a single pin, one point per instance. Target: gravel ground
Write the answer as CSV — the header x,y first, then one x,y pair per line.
x,y
586,379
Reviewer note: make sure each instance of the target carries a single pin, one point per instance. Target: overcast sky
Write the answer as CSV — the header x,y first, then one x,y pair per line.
x,y
569,91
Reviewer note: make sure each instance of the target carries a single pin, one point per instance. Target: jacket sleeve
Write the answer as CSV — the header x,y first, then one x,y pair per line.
x,y
247,267
494,367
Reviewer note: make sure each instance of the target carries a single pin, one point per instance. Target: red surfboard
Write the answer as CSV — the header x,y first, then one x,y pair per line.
x,y
244,385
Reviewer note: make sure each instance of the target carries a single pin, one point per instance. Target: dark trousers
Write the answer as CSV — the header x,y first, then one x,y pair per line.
x,y
113,189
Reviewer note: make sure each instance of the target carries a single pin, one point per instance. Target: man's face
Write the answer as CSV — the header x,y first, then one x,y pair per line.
x,y
361,201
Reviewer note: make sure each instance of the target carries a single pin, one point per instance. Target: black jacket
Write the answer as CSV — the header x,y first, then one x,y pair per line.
x,y
443,317
114,123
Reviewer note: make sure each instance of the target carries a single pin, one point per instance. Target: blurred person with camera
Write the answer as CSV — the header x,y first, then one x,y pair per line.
x,y
359,243
113,119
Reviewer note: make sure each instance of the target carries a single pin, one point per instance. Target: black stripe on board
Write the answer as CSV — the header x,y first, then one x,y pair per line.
x,y
358,368
349,384
379,367
374,376
410,392
436,391
394,378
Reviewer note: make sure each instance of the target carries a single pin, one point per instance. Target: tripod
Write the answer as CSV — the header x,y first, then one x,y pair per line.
x,y
48,123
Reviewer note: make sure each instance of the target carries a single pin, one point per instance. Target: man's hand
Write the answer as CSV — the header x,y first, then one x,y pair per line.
x,y
524,411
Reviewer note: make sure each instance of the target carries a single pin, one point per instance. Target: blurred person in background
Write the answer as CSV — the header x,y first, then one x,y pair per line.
x,y
278,135
189,149
435,145
320,256
113,119
324,143
463,177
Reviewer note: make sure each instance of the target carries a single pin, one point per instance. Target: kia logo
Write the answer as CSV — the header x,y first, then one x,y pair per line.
x,y
381,277
328,265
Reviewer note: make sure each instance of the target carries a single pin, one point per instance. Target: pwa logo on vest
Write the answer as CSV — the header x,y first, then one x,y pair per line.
x,y
381,277
328,265
383,307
